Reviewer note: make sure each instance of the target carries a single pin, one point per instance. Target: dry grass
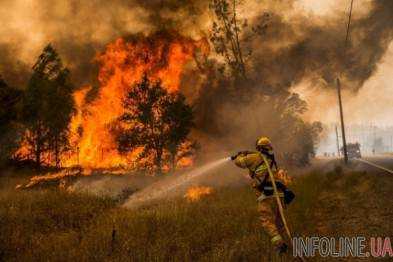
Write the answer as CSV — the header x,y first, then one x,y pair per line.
x,y
51,225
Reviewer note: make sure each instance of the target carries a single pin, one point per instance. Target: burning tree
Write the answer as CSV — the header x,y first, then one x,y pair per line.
x,y
47,107
155,120
164,56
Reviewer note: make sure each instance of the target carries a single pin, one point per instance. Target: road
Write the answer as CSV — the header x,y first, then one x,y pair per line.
x,y
380,163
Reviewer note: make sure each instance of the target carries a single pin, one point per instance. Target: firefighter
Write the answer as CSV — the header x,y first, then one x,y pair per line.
x,y
269,214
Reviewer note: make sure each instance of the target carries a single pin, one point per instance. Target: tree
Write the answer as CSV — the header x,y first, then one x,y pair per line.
x,y
9,128
155,120
230,36
225,36
48,106
179,118
276,111
62,104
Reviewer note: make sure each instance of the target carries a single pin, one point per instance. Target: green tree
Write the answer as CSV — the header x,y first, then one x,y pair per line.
x,y
155,120
48,106
9,128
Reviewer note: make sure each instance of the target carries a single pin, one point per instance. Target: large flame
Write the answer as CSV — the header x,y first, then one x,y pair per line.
x,y
122,65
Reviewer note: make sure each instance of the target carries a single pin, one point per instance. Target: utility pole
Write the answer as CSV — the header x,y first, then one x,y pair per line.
x,y
342,121
339,90
337,142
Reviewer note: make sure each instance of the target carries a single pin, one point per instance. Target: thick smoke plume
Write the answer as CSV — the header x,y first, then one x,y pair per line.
x,y
288,44
80,29
298,47
295,45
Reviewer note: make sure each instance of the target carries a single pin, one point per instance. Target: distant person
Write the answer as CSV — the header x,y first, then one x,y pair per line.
x,y
270,217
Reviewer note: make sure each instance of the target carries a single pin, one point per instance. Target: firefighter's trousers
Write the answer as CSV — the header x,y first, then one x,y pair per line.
x,y
271,220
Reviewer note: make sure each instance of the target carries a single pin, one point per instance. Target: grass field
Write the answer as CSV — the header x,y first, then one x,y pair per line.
x,y
53,225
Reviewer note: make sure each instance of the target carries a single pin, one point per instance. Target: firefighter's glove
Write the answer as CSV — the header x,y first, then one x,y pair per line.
x,y
288,196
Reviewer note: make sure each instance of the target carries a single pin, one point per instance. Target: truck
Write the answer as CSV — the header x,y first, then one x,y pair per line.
x,y
353,150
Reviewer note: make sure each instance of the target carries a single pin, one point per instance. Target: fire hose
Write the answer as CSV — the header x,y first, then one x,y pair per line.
x,y
279,204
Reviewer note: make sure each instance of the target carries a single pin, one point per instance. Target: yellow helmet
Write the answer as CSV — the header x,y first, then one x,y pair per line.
x,y
264,142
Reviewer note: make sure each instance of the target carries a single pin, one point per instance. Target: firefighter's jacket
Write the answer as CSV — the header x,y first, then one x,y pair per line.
x,y
254,162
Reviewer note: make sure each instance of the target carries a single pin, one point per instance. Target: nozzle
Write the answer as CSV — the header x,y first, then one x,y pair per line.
x,y
233,157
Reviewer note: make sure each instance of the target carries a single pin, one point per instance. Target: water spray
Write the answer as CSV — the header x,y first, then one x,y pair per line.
x,y
163,188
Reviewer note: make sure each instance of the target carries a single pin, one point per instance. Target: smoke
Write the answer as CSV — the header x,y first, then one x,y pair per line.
x,y
80,29
16,71
134,189
292,48
371,105
303,41
300,47
116,187
297,44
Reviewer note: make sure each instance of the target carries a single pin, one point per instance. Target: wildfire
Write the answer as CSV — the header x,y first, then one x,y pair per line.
x,y
122,65
196,193
60,178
